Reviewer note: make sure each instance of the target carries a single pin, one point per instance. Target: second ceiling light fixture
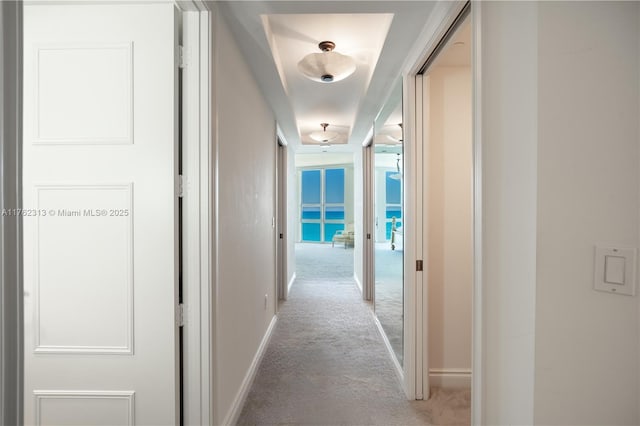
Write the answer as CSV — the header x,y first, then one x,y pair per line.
x,y
323,136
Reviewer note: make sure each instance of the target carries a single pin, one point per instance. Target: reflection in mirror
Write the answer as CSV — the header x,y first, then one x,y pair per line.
x,y
388,220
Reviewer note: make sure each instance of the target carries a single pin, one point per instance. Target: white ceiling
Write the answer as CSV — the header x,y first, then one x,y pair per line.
x,y
293,36
323,159
275,35
457,51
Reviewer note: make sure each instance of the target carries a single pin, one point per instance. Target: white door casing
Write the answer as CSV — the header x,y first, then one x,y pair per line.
x,y
281,222
368,255
100,238
416,363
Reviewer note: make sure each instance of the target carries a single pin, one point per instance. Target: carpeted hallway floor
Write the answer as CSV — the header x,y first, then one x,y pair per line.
x,y
326,363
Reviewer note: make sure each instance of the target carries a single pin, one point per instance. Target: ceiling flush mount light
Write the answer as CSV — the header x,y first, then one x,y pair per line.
x,y
401,138
398,175
323,136
394,135
328,66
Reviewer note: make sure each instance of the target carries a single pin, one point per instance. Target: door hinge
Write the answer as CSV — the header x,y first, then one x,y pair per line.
x,y
180,186
182,57
368,236
418,265
281,236
181,315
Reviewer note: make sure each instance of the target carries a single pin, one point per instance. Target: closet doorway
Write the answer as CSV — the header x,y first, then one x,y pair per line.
x,y
444,181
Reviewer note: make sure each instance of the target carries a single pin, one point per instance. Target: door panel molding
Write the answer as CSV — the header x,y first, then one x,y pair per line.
x,y
45,403
65,312
79,63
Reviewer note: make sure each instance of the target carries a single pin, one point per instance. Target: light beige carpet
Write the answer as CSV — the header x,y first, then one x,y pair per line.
x,y
327,364
447,406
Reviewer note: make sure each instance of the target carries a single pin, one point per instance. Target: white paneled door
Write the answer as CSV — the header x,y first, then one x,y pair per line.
x,y
100,218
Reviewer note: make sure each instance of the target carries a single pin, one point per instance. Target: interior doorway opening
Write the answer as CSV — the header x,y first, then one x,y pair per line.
x,y
445,213
325,215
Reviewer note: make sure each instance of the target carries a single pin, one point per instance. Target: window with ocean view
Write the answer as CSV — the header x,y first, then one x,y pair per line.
x,y
322,210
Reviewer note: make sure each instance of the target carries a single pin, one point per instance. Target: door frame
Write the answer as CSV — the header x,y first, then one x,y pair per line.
x,y
368,252
199,183
11,284
416,327
477,328
282,289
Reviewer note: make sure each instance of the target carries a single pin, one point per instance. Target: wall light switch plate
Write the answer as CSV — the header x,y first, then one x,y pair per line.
x,y
615,270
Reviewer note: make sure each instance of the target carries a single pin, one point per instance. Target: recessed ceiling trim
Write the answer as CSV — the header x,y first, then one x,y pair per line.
x,y
360,37
244,19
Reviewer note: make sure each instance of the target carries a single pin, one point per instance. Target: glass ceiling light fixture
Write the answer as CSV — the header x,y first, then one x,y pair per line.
x,y
401,133
328,66
323,136
398,175
394,139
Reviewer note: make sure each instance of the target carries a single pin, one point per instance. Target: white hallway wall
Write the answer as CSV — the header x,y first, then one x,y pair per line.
x,y
588,193
450,245
560,174
245,238
509,193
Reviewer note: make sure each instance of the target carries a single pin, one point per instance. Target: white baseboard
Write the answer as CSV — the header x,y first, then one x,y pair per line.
x,y
398,368
450,378
293,278
358,283
238,402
